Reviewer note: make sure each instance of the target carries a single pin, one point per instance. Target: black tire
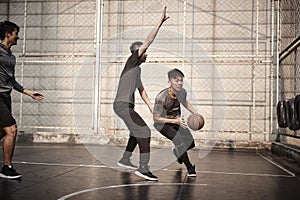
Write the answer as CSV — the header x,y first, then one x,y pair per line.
x,y
297,110
282,114
293,117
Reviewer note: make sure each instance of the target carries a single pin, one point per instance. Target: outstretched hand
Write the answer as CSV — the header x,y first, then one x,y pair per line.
x,y
37,96
164,16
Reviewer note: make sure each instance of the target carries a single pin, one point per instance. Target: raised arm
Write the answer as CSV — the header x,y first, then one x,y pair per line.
x,y
154,32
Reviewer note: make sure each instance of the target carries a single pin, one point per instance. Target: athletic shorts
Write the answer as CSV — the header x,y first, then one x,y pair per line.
x,y
6,118
171,131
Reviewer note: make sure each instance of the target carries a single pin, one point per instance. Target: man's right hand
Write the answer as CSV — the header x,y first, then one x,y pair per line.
x,y
181,122
164,16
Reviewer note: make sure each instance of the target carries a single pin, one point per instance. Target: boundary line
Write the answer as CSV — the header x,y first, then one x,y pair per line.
x,y
165,169
277,165
126,185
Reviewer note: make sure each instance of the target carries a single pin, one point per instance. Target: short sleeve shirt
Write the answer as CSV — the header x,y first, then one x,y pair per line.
x,y
169,107
130,80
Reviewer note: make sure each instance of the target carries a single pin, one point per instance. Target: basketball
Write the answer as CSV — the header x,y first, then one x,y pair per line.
x,y
195,122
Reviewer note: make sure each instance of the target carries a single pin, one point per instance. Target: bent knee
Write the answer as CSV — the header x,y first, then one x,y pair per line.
x,y
11,130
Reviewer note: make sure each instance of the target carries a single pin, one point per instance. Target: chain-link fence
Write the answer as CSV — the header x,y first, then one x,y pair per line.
x,y
73,51
289,58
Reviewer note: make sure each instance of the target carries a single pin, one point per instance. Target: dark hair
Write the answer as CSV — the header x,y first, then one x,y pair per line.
x,y
135,45
174,73
9,27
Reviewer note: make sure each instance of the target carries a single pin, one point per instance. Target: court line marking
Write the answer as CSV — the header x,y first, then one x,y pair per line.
x,y
165,169
59,164
37,146
277,165
127,185
246,174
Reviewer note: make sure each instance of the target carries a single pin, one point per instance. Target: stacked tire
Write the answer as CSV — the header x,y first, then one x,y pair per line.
x,y
288,113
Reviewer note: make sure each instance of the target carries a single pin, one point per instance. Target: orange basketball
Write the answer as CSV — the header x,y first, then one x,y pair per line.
x,y
195,121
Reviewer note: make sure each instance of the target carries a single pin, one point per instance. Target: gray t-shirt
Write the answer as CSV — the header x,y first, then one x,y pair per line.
x,y
130,80
169,107
7,71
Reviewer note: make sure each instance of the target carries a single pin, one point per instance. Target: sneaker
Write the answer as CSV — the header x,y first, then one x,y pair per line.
x,y
146,174
191,171
126,163
175,154
9,172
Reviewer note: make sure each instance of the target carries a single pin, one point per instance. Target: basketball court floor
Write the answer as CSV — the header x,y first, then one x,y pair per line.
x,y
52,171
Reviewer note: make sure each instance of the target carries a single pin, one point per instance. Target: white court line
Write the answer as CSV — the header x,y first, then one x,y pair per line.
x,y
59,164
277,165
238,173
165,169
52,147
127,185
246,174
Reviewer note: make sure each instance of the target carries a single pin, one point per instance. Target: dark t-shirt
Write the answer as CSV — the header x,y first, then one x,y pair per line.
x,y
7,71
130,80
169,107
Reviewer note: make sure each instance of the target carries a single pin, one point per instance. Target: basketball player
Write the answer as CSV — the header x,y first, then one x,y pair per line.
x,y
130,80
168,121
8,128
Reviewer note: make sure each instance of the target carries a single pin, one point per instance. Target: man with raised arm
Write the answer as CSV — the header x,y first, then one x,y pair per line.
x,y
124,102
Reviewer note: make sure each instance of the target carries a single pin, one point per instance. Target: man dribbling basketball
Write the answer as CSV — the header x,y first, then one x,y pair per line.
x,y
168,121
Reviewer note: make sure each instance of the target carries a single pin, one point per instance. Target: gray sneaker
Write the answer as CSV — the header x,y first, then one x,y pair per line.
x,y
126,163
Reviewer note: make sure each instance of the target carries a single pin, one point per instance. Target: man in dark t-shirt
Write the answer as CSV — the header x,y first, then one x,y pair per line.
x,y
9,36
124,102
168,120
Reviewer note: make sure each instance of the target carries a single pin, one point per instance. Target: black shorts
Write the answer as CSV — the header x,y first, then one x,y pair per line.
x,y
6,118
172,131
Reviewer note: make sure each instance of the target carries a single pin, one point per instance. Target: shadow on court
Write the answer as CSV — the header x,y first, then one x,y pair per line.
x,y
70,172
